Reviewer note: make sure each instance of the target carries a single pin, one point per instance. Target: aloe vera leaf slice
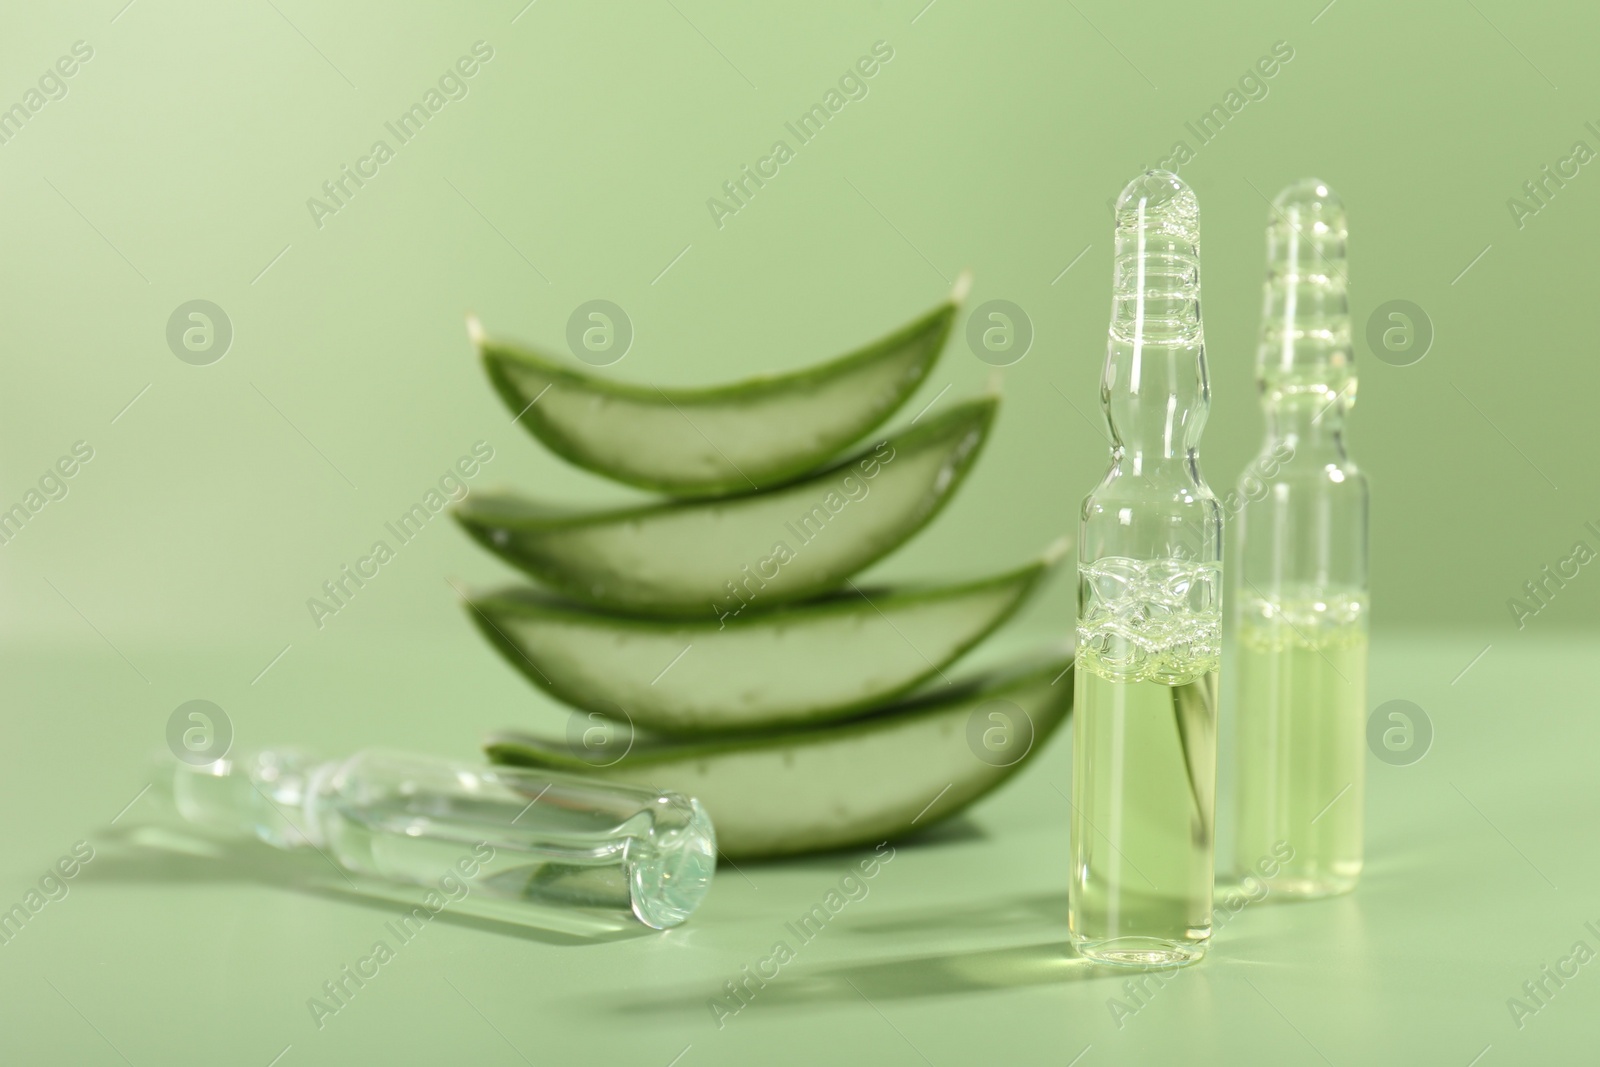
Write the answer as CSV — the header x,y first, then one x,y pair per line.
x,y
1196,720
755,670
711,557
746,435
857,782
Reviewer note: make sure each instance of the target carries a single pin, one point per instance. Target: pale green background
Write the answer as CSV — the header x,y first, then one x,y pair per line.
x,y
993,140
179,165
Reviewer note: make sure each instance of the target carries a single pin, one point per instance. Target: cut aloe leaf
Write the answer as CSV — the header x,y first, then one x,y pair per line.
x,y
714,557
754,670
731,438
1197,723
858,782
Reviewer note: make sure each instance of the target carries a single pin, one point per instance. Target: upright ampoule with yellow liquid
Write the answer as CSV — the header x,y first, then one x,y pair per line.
x,y
1149,610
1301,658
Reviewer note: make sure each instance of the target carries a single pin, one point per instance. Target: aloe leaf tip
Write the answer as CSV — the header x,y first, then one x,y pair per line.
x,y
1058,549
962,287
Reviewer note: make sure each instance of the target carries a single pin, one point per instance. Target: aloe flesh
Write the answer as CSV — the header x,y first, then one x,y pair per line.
x,y
733,438
754,670
900,769
758,550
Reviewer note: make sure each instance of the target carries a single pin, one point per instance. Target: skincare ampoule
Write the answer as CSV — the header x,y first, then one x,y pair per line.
x,y
1302,594
1149,610
536,844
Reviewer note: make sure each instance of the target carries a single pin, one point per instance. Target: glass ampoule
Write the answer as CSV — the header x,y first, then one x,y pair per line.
x,y
523,845
1302,593
1149,610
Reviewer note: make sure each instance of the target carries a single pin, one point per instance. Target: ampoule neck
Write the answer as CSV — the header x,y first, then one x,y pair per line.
x,y
271,794
1305,368
1154,387
1307,421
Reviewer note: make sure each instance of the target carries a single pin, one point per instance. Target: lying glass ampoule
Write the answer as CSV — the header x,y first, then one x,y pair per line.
x,y
1302,644
534,842
1149,610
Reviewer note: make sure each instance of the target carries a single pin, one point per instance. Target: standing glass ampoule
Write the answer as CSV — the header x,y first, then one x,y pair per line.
x,y
1149,610
1302,636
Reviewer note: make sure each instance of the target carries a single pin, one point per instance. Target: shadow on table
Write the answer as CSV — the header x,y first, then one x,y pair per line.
x,y
938,974
159,855
956,831
902,977
1044,912
1043,958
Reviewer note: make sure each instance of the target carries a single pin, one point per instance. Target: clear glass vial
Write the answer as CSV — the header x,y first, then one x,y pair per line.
x,y
1149,610
538,843
1302,595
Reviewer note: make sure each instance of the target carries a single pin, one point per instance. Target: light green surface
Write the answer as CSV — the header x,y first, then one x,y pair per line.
x,y
957,947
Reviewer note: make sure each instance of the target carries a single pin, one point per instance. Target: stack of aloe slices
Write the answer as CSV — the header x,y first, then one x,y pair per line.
x,y
722,621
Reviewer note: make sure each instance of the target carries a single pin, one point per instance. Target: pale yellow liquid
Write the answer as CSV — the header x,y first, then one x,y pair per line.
x,y
1143,808
1302,670
1144,761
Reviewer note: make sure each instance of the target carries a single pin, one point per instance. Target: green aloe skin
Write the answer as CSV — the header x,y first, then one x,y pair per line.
x,y
696,558
757,669
723,623
904,767
733,438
